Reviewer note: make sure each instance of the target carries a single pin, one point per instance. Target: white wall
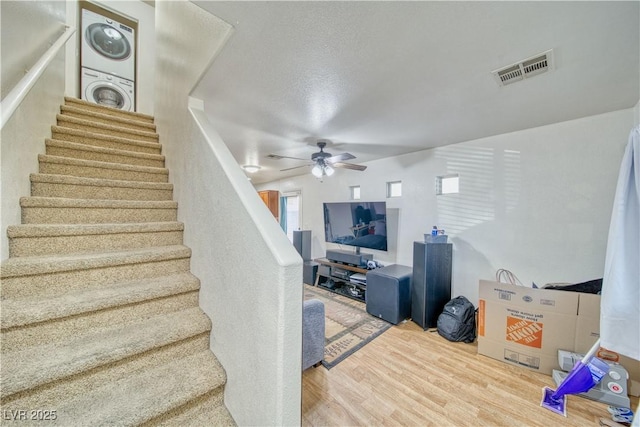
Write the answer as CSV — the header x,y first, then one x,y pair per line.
x,y
535,202
28,30
135,10
251,276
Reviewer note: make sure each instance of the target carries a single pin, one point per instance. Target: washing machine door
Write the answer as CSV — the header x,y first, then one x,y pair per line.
x,y
108,41
109,95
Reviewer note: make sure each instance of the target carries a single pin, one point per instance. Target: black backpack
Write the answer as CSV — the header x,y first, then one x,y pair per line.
x,y
457,322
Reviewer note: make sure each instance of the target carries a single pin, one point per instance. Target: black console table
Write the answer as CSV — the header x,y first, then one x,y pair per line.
x,y
334,276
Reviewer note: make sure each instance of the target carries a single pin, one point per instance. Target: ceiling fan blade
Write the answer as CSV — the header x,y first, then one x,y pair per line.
x,y
348,166
296,167
341,157
278,157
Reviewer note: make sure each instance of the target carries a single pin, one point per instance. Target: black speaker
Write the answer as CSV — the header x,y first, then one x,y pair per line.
x,y
302,243
388,293
349,257
309,272
431,282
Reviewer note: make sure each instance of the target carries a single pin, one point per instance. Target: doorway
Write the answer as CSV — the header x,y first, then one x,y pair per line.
x,y
291,212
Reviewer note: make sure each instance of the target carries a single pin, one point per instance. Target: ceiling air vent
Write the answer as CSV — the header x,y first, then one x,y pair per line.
x,y
529,67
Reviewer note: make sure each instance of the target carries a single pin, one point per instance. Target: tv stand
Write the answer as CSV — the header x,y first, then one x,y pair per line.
x,y
335,277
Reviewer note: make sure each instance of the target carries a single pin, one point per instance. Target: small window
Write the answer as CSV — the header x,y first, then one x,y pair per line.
x,y
448,184
394,189
355,192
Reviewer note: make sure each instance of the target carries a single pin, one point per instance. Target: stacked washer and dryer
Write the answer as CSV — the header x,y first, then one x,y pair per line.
x,y
107,62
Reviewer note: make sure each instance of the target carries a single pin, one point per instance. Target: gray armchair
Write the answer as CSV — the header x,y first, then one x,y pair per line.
x,y
312,333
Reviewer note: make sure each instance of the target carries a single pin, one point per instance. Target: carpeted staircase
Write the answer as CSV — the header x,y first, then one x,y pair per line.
x,y
100,323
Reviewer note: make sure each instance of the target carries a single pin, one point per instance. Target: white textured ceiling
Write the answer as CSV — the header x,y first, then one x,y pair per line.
x,y
384,78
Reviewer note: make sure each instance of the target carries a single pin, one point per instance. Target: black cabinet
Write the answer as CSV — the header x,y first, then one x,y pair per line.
x,y
431,282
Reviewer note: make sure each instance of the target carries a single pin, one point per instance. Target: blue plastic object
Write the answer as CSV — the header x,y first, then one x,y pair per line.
x,y
585,374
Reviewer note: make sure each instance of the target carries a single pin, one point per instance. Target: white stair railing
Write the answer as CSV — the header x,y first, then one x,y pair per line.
x,y
14,98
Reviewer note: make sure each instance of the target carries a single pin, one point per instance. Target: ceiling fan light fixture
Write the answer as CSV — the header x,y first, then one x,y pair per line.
x,y
317,171
323,163
251,168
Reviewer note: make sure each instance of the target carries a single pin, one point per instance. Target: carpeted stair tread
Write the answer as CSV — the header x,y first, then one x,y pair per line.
x,y
86,151
28,311
60,210
57,165
40,365
93,115
97,190
39,265
98,182
207,410
145,396
105,129
95,139
79,103
55,202
48,230
45,239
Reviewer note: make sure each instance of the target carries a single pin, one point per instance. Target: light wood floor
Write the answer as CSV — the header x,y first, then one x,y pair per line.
x,y
409,377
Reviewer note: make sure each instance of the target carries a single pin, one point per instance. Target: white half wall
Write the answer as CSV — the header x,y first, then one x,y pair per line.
x,y
251,276
135,10
535,202
28,30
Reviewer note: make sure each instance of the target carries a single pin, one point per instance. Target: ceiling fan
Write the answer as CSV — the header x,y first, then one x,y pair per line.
x,y
323,162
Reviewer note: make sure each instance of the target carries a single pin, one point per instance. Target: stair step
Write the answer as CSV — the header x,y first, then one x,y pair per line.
x,y
207,410
72,187
48,276
56,165
103,129
86,152
50,239
106,141
100,117
147,396
28,311
57,210
79,103
54,395
36,366
37,321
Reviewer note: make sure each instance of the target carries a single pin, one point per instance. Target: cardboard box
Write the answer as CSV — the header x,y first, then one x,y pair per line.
x,y
588,327
588,331
525,326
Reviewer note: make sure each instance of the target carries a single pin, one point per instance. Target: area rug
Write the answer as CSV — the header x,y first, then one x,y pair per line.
x,y
348,326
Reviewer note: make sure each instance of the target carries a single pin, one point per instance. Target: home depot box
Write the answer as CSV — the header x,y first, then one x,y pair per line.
x,y
588,331
525,326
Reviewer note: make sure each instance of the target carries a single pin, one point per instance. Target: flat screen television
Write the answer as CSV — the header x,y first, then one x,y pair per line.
x,y
359,224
